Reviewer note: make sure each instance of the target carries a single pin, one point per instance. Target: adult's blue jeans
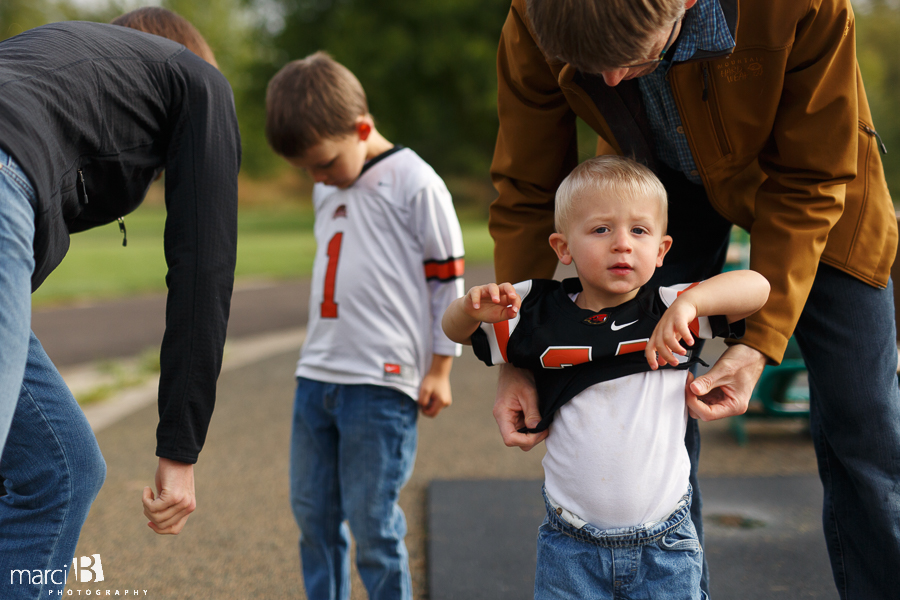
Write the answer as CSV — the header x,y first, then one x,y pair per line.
x,y
847,336
352,449
51,468
16,267
654,560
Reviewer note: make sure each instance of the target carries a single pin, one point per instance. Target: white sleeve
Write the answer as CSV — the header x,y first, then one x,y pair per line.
x,y
700,326
498,334
442,254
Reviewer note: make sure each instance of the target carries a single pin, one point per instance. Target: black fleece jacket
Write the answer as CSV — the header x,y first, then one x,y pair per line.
x,y
92,113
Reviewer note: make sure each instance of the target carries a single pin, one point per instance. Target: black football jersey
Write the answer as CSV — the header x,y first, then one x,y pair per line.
x,y
569,348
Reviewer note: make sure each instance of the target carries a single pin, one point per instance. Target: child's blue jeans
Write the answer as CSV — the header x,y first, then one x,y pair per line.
x,y
658,560
352,449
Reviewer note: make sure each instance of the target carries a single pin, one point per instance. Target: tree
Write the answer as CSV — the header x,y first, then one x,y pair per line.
x,y
17,16
878,49
428,68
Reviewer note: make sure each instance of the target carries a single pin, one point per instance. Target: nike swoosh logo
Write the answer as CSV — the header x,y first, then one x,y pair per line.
x,y
615,327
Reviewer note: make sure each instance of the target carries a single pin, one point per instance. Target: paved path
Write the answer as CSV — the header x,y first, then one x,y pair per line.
x,y
241,542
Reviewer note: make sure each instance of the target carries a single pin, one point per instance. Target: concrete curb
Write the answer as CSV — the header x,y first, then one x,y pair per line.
x,y
238,353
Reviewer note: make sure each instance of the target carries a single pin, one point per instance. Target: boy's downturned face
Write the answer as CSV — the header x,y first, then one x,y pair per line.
x,y
334,161
616,243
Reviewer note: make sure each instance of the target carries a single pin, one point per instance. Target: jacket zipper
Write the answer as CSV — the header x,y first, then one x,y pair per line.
x,y
874,134
85,197
705,82
713,108
83,186
121,221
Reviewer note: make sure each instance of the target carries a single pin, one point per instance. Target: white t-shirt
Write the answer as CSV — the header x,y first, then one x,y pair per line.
x,y
388,263
618,463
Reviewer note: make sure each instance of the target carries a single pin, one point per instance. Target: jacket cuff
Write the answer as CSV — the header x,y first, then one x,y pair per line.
x,y
766,340
176,456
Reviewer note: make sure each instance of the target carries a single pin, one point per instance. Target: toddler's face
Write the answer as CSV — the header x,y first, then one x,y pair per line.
x,y
616,242
334,161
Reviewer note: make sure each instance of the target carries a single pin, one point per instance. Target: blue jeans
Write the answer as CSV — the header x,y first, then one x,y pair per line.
x,y
847,336
16,267
50,468
352,449
660,560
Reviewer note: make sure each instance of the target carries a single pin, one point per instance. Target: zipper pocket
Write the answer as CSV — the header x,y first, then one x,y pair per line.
x,y
83,188
871,131
712,106
121,221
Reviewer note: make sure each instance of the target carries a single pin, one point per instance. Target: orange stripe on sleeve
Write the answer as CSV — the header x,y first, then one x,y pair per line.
x,y
445,270
501,332
694,325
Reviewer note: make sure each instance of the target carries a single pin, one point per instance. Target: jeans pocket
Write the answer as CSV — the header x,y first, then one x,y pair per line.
x,y
680,539
16,176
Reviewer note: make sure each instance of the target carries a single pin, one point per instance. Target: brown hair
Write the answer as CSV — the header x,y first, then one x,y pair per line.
x,y
310,100
168,24
605,174
600,35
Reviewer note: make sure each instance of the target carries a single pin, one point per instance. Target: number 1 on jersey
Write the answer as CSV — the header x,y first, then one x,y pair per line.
x,y
329,307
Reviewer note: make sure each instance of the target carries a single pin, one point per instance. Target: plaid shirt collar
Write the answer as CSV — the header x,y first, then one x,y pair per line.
x,y
704,28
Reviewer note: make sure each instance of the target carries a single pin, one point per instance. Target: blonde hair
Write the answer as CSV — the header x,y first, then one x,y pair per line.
x,y
310,100
600,35
165,23
608,174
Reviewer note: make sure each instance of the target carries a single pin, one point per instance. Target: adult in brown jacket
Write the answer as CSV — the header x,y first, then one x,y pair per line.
x,y
771,132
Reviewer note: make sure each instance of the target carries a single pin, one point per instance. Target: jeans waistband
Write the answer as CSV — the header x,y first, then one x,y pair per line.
x,y
648,533
11,168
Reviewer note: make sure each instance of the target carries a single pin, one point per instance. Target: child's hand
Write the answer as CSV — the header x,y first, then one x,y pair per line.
x,y
492,303
434,394
672,329
489,303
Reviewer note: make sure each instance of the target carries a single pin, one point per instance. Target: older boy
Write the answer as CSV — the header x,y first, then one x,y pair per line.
x,y
616,469
751,113
389,262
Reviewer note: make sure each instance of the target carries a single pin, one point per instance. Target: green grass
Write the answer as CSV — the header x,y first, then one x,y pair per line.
x,y
273,243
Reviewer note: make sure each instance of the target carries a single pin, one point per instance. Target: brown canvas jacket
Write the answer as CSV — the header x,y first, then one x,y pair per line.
x,y
780,130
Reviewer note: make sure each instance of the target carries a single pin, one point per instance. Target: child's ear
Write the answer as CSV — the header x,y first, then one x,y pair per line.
x,y
364,127
665,244
561,247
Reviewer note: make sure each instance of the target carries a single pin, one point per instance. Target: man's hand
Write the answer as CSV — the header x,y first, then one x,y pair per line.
x,y
516,406
724,391
169,510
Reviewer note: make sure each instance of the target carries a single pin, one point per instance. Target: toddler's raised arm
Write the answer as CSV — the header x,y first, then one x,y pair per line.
x,y
490,303
735,294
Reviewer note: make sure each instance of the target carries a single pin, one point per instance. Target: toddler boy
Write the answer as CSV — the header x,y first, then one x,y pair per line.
x,y
389,262
616,469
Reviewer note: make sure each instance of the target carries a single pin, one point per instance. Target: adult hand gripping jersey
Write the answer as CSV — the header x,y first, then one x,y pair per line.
x,y
569,348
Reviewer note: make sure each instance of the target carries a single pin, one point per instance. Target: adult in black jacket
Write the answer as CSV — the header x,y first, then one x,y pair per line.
x,y
90,114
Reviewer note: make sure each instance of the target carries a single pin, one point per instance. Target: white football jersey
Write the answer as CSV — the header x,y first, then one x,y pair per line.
x,y
389,261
